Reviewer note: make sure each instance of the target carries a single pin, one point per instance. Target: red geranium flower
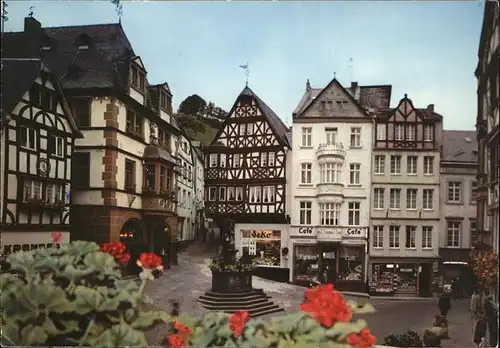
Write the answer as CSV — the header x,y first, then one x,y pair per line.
x,y
117,250
181,329
237,323
176,341
56,237
361,340
326,305
149,261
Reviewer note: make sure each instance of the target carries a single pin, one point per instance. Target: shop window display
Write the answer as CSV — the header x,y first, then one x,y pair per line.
x,y
306,263
406,278
351,263
264,246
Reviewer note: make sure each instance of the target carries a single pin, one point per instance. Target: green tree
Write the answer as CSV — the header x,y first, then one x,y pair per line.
x,y
193,105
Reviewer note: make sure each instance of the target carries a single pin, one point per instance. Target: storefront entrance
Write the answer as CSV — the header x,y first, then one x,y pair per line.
x,y
132,236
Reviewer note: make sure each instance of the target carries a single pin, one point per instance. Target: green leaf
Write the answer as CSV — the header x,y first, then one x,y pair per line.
x,y
306,325
49,297
360,309
129,315
315,335
86,299
33,336
341,330
72,273
286,323
10,334
121,335
146,320
102,263
112,303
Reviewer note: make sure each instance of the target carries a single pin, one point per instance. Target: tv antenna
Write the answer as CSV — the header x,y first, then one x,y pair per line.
x,y
4,13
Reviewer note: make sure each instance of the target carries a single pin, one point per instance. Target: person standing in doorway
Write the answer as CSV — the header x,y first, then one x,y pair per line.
x,y
444,304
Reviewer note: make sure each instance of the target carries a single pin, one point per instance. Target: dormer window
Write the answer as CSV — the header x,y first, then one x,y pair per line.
x,y
165,101
137,78
84,41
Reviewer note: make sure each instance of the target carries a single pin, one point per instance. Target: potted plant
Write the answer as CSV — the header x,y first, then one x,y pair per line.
x,y
440,327
431,340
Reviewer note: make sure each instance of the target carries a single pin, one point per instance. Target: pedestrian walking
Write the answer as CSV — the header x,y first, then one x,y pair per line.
x,y
444,304
475,308
479,337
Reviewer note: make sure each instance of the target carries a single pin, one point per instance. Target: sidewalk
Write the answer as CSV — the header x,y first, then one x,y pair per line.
x,y
460,325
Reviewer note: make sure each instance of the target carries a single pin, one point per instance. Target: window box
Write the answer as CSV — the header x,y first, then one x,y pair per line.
x,y
34,204
57,205
148,189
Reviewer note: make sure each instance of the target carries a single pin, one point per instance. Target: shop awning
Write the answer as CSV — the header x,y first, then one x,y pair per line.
x,y
454,256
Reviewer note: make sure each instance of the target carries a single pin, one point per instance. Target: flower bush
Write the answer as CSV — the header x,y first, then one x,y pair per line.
x,y
218,264
485,265
325,320
74,295
407,339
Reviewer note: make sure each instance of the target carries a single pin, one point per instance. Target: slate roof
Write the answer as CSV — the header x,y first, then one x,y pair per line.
x,y
16,78
369,96
459,146
279,128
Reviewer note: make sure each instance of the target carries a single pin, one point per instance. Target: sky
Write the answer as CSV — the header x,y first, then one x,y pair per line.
x,y
426,49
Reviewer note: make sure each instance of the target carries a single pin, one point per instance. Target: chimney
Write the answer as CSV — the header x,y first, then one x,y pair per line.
x,y
308,85
430,109
33,35
32,26
355,90
354,85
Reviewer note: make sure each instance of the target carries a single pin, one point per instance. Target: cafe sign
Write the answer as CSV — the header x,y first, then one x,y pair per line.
x,y
355,232
303,231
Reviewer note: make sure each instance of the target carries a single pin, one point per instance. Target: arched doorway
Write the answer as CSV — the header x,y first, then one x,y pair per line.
x,y
161,242
132,236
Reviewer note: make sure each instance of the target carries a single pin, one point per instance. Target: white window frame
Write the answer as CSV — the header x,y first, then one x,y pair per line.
x,y
428,199
411,242
411,165
331,135
238,191
31,138
330,214
381,133
427,237
355,174
236,160
411,199
32,189
428,133
222,193
213,160
58,146
53,193
394,236
379,164
305,173
212,193
306,137
263,159
473,191
354,214
222,160
355,139
395,199
330,173
411,132
378,237
305,213
399,132
271,159
473,231
395,165
454,191
453,232
378,198
428,165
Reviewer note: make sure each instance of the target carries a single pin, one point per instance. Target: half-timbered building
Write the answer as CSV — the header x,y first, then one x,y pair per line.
x,y
246,178
405,210
37,143
331,183
124,183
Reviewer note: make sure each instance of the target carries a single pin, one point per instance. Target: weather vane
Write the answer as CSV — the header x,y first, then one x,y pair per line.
x,y
4,13
118,8
32,9
247,72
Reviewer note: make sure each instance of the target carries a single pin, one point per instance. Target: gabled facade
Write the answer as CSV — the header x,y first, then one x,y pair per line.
x,y
488,124
37,143
246,178
405,210
458,226
124,182
330,184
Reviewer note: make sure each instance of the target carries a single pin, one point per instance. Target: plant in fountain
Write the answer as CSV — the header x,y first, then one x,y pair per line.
x,y
325,320
74,295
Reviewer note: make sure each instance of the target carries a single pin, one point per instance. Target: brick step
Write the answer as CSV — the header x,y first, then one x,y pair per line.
x,y
210,297
236,306
232,302
260,312
232,294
